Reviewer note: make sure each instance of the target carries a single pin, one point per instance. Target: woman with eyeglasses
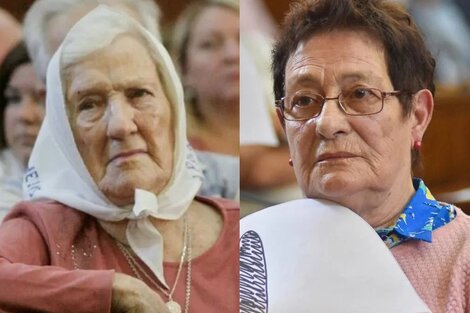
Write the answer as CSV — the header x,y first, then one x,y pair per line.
x,y
21,111
354,83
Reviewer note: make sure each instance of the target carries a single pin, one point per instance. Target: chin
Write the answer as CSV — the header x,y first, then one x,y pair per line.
x,y
23,156
120,188
334,187
119,193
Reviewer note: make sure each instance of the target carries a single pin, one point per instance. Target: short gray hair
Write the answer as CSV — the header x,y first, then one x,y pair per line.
x,y
35,23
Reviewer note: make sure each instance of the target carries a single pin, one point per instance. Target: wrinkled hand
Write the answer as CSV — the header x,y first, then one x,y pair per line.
x,y
131,295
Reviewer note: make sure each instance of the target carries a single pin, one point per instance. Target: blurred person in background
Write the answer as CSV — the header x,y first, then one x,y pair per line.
x,y
10,33
22,96
264,178
48,21
447,35
205,47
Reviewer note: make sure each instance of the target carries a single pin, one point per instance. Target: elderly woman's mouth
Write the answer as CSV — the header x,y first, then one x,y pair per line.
x,y
335,156
127,154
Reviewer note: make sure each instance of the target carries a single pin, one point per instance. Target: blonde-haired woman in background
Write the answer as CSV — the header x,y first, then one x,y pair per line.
x,y
205,46
206,49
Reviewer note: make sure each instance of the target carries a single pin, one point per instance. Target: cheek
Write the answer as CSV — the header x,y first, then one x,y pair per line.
x,y
91,144
301,138
40,111
385,144
302,142
198,69
10,123
158,132
83,137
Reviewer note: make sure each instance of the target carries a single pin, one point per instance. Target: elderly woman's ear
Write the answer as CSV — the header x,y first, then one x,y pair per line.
x,y
421,114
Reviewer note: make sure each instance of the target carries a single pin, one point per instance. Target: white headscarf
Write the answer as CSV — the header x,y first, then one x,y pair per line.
x,y
56,170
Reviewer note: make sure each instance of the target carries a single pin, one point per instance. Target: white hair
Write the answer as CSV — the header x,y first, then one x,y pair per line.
x,y
93,38
38,16
98,29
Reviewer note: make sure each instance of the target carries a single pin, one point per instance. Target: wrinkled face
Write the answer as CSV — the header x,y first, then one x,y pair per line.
x,y
25,95
121,120
212,57
335,156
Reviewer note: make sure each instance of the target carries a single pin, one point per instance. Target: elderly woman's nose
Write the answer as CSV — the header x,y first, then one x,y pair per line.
x,y
120,120
332,121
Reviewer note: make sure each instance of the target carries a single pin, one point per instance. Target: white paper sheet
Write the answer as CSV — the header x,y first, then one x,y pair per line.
x,y
316,256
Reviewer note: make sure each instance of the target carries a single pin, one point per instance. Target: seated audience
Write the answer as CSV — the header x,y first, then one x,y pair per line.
x,y
22,96
265,177
205,47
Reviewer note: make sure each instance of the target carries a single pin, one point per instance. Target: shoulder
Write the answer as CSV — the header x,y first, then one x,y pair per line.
x,y
228,209
9,165
456,234
220,203
198,143
460,226
440,268
449,241
39,226
221,175
46,215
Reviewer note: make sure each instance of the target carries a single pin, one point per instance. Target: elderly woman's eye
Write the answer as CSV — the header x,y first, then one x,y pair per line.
x,y
360,93
87,105
138,93
303,101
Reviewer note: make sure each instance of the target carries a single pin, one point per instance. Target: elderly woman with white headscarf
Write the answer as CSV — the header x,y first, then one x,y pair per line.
x,y
113,224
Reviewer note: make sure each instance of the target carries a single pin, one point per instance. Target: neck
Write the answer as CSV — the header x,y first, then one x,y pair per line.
x,y
171,231
204,221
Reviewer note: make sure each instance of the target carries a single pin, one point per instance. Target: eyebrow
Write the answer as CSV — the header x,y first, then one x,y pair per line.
x,y
9,89
308,79
78,89
91,87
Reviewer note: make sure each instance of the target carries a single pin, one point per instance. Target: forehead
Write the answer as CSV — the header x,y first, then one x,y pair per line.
x,y
338,56
24,77
22,73
216,18
125,59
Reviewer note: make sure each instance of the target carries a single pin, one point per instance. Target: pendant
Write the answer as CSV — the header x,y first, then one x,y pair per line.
x,y
173,306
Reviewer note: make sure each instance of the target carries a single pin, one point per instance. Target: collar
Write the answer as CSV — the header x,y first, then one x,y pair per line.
x,y
421,216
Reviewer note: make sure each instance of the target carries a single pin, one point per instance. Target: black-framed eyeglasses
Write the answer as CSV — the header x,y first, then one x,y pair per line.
x,y
304,105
